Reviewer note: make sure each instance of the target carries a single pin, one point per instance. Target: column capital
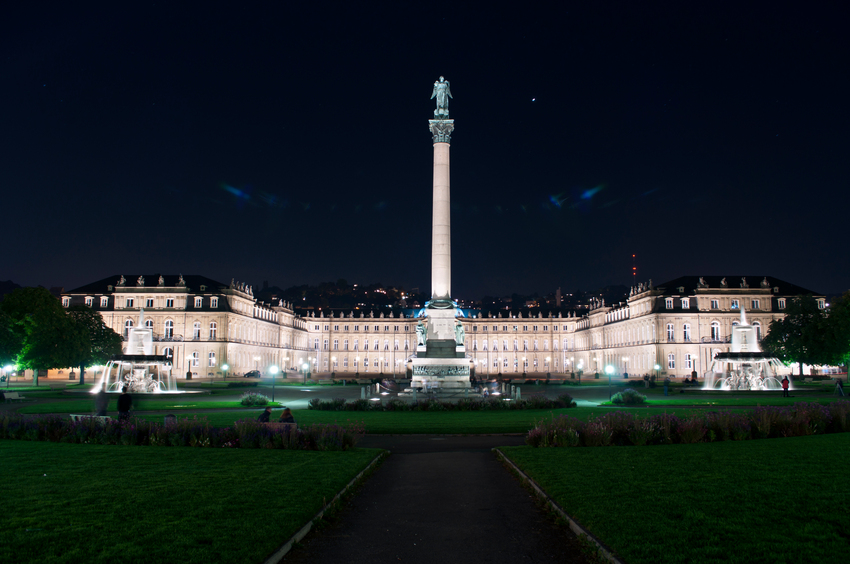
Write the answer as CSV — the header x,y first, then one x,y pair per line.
x,y
441,129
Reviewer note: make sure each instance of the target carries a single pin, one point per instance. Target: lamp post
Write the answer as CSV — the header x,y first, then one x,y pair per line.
x,y
224,367
657,368
304,367
274,370
609,370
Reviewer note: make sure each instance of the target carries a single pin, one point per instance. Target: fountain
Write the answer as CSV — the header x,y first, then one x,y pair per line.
x,y
138,369
745,366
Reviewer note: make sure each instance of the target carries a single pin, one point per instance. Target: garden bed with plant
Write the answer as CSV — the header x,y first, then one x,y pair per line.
x,y
493,404
733,501
90,503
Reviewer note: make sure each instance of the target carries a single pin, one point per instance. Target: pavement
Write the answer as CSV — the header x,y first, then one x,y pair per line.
x,y
439,498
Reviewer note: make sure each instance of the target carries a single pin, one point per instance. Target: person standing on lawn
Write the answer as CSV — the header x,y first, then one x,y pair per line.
x,y
839,387
101,403
666,384
785,384
265,415
125,402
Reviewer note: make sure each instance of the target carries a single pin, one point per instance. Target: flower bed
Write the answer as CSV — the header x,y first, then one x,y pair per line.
x,y
535,402
186,432
624,429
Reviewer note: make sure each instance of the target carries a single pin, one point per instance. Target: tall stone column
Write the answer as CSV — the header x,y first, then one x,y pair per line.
x,y
441,228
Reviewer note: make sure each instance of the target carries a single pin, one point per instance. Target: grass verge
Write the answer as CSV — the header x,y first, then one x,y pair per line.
x,y
779,500
178,404
92,503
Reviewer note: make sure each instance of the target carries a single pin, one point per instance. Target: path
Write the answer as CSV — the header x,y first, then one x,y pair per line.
x,y
439,498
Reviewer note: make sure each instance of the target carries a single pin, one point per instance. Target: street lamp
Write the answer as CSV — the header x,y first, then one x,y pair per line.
x,y
609,370
225,367
304,367
657,368
274,370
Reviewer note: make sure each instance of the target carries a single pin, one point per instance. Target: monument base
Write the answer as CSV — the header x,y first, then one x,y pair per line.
x,y
444,373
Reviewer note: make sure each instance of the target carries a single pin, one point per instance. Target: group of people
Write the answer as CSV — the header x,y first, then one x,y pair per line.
x,y
285,417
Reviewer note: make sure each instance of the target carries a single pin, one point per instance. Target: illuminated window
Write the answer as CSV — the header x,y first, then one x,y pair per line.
x,y
821,303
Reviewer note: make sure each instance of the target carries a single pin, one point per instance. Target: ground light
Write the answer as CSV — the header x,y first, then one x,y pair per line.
x,y
274,370
609,370
224,367
657,368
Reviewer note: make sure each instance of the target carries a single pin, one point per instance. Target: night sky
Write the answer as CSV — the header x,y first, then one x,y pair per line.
x,y
289,142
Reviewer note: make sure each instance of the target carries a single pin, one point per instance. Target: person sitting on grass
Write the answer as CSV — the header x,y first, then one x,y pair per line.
x,y
286,416
265,415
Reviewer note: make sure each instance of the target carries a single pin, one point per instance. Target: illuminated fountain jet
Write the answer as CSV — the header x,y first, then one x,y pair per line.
x,y
745,366
138,369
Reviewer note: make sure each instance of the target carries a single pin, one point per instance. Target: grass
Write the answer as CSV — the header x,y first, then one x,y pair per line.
x,y
177,404
92,503
779,500
418,422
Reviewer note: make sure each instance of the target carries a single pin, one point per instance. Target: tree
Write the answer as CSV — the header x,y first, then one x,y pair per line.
x,y
44,330
11,341
798,337
92,340
835,330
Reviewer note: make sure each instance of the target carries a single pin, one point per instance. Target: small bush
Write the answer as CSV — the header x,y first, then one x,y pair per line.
x,y
254,398
628,397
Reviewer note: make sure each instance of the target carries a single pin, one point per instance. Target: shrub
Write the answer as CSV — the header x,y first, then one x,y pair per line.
x,y
254,398
628,397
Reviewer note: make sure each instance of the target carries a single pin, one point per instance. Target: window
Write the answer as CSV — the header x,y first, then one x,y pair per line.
x,y
525,344
735,304
345,328
689,363
757,325
780,303
545,327
168,352
336,344
715,331
345,345
686,303
196,330
376,328
535,344
315,344
534,328
169,329
90,302
128,302
670,332
345,362
687,331
66,301
325,345
755,304
326,327
395,345
104,301
213,328
386,344
484,344
524,328
715,304
336,327
148,323
357,328
356,344
375,346
212,359
213,302
196,359
127,326
669,303
169,302
199,301
149,302
516,345
821,303
671,361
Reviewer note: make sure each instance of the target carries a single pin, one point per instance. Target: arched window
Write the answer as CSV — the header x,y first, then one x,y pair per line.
x,y
670,332
757,326
212,359
689,363
671,361
213,327
148,323
687,331
168,352
715,331
127,326
195,358
196,330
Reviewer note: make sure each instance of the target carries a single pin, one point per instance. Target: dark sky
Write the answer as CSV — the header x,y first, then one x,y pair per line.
x,y
289,142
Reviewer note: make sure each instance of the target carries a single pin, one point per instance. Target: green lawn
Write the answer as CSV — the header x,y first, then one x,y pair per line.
x,y
91,503
778,500
176,404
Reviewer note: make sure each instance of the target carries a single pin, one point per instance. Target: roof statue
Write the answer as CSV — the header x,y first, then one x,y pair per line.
x,y
765,283
140,281
160,282
442,91
121,281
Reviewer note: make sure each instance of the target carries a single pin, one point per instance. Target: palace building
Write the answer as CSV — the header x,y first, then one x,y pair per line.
x,y
204,325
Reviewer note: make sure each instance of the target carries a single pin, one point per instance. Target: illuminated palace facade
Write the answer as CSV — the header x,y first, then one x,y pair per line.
x,y
204,325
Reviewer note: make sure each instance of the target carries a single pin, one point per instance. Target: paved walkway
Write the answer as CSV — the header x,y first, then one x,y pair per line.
x,y
439,498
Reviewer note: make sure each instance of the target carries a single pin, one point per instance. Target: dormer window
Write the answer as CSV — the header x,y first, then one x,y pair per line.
x,y
780,303
199,301
89,301
66,301
104,301
203,288
213,302
681,289
669,303
686,303
821,303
